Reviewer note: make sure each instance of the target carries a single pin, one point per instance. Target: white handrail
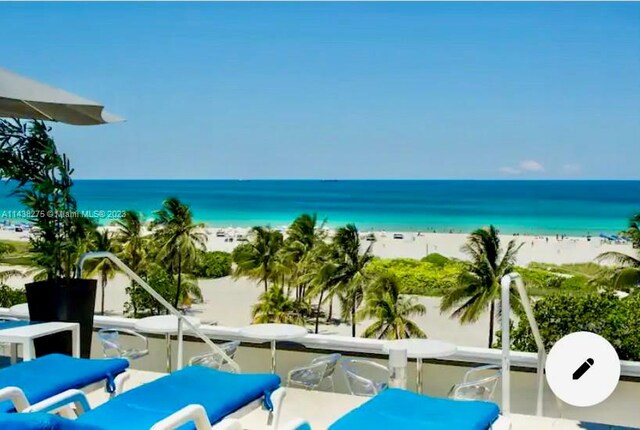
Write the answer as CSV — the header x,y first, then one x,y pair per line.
x,y
506,341
173,311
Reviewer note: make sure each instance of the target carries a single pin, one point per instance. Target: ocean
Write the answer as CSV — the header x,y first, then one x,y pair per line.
x,y
532,207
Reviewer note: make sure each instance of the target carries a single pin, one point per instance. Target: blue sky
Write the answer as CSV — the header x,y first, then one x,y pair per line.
x,y
342,90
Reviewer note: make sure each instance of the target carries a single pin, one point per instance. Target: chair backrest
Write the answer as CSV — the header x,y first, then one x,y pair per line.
x,y
360,385
213,359
479,384
110,341
331,362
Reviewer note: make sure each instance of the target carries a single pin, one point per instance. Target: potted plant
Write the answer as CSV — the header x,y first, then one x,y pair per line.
x,y
41,176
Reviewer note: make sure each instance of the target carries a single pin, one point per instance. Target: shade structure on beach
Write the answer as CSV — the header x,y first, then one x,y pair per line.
x,y
25,98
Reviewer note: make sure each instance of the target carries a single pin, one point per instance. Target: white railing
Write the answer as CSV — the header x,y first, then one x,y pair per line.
x,y
173,311
506,341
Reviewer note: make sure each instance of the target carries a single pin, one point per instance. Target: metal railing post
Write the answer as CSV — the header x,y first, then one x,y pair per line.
x,y
505,284
173,311
180,346
506,311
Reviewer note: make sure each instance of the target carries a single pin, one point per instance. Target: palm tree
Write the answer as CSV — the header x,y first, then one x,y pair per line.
x,y
350,277
321,276
303,236
275,306
179,239
258,259
479,284
390,310
5,275
130,240
627,275
104,268
132,250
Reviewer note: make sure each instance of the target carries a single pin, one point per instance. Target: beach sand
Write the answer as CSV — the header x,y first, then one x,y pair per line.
x,y
228,302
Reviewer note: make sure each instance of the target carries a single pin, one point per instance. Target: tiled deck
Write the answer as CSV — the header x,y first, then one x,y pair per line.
x,y
323,408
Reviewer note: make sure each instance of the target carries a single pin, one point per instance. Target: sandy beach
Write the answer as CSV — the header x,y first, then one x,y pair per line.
x,y
228,302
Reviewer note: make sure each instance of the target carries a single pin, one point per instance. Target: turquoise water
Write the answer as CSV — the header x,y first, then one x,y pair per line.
x,y
570,207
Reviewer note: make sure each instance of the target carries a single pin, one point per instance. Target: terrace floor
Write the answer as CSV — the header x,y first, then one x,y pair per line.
x,y
322,408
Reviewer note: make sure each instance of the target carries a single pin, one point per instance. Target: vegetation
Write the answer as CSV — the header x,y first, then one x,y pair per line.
x,y
178,240
141,303
42,177
258,259
618,320
437,260
275,306
11,296
350,278
390,310
132,250
105,269
479,284
419,277
627,274
216,264
15,253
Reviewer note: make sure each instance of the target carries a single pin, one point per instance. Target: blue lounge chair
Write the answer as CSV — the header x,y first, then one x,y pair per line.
x,y
29,382
218,393
403,410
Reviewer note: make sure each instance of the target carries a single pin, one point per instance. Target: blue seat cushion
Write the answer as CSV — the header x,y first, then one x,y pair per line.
x,y
401,409
39,421
12,324
220,393
52,374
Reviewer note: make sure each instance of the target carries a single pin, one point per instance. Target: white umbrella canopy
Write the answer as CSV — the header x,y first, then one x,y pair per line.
x,y
24,98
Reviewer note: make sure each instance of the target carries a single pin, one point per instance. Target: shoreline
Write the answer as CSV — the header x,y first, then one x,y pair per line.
x,y
550,249
364,228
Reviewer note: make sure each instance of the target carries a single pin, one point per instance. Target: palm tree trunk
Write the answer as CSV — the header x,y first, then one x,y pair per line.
x,y
266,284
353,319
491,321
134,301
177,298
103,284
330,315
318,311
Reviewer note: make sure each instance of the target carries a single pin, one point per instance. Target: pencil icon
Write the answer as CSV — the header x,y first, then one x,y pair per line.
x,y
583,369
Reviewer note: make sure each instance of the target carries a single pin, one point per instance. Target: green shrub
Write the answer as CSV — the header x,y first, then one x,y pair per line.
x,y
141,304
419,277
11,296
7,248
617,320
216,264
436,259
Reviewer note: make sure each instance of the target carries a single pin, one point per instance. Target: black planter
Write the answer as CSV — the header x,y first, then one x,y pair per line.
x,y
68,301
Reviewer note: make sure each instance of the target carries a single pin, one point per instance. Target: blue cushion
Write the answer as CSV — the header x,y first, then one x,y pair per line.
x,y
12,324
39,421
220,393
401,409
52,374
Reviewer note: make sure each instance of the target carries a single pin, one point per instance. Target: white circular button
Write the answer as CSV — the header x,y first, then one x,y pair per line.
x,y
582,369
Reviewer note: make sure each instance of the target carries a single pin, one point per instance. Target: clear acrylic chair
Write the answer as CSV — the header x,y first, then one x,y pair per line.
x,y
479,383
313,375
113,347
215,360
364,377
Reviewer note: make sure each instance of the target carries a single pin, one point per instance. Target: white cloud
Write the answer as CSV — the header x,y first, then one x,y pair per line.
x,y
571,168
531,166
526,166
509,170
